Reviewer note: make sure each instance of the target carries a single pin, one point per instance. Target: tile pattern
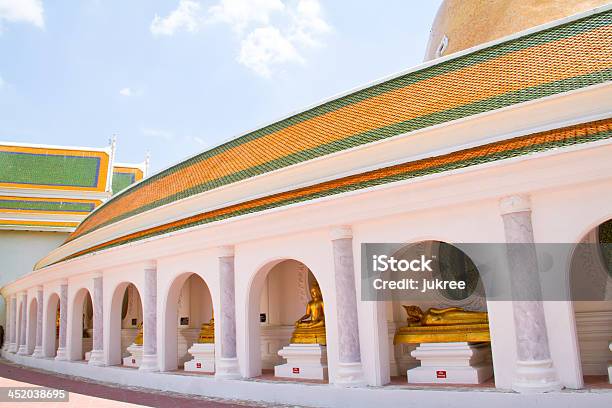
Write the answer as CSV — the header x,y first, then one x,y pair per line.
x,y
124,177
560,59
506,149
34,205
53,168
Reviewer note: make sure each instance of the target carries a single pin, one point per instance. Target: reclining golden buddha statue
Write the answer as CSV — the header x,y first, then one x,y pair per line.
x,y
450,324
310,328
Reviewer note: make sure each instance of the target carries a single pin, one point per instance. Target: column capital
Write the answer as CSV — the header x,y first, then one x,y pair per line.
x,y
225,251
96,274
514,203
63,282
151,264
340,232
38,288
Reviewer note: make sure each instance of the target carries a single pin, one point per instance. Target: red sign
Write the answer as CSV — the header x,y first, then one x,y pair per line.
x,y
296,370
198,365
441,374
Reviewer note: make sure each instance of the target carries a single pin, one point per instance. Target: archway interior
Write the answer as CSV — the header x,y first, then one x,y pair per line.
x,y
131,317
82,326
283,297
32,325
193,303
450,263
51,326
124,317
591,272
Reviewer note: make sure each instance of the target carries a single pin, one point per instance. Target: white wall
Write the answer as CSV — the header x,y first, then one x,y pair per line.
x,y
19,251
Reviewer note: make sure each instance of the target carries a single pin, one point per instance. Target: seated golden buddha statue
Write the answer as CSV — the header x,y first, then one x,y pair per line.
x,y
310,328
138,338
207,331
450,324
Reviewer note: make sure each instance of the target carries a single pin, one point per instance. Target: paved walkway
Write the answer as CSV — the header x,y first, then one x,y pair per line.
x,y
85,393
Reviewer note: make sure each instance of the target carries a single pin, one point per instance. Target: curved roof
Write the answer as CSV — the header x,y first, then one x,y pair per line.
x,y
467,23
554,60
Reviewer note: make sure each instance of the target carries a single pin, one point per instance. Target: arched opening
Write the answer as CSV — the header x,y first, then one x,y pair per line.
x,y
81,325
278,297
126,320
591,287
32,326
51,326
189,306
412,314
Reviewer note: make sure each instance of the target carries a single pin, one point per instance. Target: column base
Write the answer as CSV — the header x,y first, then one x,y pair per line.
x,y
451,363
38,353
350,375
203,358
96,358
227,369
532,377
149,363
12,348
62,354
22,350
307,361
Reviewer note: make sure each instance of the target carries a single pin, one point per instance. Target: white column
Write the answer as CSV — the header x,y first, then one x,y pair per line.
x,y
13,328
7,325
227,363
38,351
62,354
97,353
534,370
22,350
149,345
350,371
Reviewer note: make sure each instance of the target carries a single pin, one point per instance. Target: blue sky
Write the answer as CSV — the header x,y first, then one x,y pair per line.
x,y
177,76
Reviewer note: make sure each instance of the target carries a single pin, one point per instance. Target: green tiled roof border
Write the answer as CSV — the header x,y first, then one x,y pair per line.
x,y
492,157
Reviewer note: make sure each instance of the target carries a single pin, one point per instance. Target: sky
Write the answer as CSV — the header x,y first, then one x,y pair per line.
x,y
176,77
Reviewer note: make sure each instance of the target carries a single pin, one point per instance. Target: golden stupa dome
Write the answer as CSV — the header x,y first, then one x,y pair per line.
x,y
461,24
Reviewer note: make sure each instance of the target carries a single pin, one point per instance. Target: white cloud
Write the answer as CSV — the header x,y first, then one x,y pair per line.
x,y
308,23
271,32
126,92
264,47
239,14
22,11
1,82
186,16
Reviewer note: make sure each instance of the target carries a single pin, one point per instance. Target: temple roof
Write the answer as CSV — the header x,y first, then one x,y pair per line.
x,y
53,168
52,188
125,175
554,59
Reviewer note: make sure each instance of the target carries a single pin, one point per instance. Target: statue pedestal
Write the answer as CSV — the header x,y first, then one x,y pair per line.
x,y
135,358
451,363
203,358
307,361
